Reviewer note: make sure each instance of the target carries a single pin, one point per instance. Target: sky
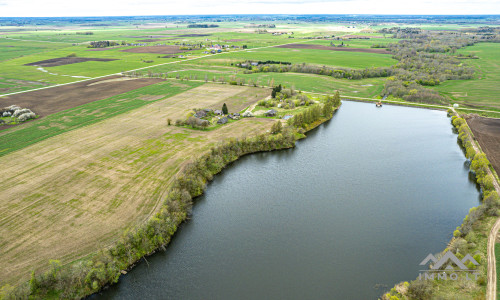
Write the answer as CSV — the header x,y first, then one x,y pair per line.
x,y
60,8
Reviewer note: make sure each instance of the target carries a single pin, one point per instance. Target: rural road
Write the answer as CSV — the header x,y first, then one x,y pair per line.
x,y
491,288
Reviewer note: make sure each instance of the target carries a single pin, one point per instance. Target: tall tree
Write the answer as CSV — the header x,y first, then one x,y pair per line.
x,y
224,109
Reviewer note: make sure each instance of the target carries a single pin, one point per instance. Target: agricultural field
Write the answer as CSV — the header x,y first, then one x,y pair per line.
x,y
487,133
73,117
49,101
14,48
117,168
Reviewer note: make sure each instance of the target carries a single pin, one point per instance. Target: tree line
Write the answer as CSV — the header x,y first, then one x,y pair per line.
x,y
339,73
202,25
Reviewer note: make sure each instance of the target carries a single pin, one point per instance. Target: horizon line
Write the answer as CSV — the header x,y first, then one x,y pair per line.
x,y
238,14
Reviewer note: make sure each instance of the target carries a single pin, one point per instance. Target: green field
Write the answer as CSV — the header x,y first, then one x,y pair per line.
x,y
12,48
320,57
483,91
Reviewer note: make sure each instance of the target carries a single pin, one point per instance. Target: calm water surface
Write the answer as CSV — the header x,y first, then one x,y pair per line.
x,y
352,210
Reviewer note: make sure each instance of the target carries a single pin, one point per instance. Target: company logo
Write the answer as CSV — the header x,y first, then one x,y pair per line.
x,y
447,267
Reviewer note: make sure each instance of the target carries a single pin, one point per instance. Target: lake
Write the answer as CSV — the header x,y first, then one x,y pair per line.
x,y
348,213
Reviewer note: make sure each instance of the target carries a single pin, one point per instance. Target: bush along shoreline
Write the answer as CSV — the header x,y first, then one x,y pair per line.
x,y
471,237
98,270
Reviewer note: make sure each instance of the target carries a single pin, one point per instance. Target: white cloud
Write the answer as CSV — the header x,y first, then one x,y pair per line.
x,y
14,8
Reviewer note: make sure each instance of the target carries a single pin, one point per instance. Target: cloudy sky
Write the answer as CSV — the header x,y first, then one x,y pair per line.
x,y
50,8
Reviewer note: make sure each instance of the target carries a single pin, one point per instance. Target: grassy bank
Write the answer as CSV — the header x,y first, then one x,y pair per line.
x,y
471,237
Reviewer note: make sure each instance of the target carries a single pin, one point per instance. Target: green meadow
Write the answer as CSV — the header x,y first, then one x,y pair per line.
x,y
320,57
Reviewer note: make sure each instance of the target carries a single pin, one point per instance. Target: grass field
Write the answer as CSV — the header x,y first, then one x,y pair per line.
x,y
11,49
76,192
319,57
220,67
483,91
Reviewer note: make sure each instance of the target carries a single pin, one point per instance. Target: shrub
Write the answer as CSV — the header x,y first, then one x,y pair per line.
x,y
420,289
20,112
457,245
481,280
26,116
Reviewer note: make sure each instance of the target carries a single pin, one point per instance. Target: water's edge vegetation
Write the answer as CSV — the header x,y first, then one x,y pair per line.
x,y
469,238
90,274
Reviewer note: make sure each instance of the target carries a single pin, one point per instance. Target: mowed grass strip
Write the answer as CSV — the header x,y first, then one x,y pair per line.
x,y
27,134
